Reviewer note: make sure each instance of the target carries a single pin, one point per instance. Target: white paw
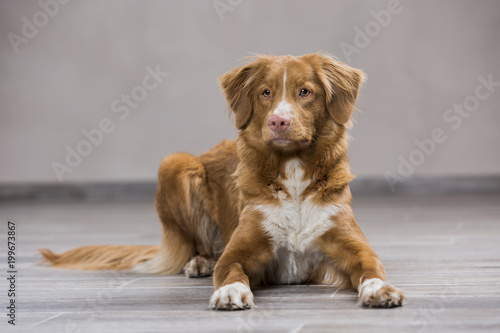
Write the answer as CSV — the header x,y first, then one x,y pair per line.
x,y
199,267
375,293
235,296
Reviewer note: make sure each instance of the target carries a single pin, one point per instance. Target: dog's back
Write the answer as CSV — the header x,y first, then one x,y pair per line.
x,y
197,203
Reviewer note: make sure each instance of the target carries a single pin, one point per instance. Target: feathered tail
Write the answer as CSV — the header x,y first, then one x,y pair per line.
x,y
169,258
100,257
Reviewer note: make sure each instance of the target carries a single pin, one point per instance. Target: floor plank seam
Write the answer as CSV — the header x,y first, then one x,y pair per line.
x,y
46,320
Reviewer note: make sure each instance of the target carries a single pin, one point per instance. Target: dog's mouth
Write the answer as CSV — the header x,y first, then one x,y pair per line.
x,y
289,143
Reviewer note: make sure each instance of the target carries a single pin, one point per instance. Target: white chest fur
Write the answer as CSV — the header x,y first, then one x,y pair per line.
x,y
294,225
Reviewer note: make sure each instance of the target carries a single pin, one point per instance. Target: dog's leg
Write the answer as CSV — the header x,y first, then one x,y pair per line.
x,y
359,267
188,231
243,261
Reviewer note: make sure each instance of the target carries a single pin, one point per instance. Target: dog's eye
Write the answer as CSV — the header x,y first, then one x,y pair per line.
x,y
304,92
266,93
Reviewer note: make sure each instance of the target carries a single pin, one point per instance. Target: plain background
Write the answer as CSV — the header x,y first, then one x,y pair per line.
x,y
64,79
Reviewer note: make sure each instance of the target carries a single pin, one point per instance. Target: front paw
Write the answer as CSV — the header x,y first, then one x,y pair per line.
x,y
235,296
375,293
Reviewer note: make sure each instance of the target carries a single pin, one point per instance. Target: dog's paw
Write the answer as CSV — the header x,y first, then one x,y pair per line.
x,y
235,296
199,267
375,293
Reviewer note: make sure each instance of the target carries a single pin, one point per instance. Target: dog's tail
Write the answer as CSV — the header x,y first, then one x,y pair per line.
x,y
169,258
98,257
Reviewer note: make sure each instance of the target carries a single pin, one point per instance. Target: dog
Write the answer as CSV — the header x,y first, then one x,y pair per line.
x,y
272,207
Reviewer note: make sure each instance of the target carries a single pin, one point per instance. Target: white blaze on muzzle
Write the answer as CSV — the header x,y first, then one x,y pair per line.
x,y
284,108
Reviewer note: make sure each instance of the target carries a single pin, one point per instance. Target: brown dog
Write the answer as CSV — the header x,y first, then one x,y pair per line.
x,y
272,207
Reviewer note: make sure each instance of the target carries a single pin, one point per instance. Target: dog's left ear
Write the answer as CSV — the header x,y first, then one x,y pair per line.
x,y
342,84
236,86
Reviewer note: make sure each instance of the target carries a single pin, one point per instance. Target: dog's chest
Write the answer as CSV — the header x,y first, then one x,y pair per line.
x,y
294,225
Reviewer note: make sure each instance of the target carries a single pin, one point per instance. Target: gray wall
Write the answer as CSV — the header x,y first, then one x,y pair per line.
x,y
64,78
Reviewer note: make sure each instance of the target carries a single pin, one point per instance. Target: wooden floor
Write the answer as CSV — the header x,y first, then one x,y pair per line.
x,y
443,251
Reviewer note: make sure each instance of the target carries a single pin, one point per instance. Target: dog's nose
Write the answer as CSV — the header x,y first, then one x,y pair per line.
x,y
278,124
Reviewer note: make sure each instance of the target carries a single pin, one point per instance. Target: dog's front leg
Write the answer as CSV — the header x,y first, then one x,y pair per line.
x,y
360,268
243,261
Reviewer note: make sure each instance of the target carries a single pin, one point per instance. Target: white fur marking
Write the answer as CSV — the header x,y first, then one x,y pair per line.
x,y
367,294
294,226
232,297
284,85
370,287
283,108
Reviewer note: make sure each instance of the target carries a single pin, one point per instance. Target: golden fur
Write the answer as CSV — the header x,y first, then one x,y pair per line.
x,y
211,206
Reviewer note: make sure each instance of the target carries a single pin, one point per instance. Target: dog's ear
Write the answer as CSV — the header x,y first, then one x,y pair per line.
x,y
237,87
341,84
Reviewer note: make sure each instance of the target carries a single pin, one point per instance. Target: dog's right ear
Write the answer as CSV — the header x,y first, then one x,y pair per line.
x,y
236,86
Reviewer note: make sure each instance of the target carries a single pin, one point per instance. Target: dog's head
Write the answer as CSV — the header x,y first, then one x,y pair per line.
x,y
285,102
